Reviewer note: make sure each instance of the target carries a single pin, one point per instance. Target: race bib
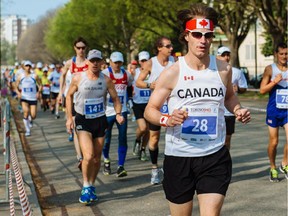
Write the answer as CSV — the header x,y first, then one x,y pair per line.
x,y
145,94
28,90
121,98
46,90
164,108
201,124
282,98
93,108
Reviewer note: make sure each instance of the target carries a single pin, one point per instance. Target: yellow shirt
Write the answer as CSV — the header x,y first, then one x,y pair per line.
x,y
39,72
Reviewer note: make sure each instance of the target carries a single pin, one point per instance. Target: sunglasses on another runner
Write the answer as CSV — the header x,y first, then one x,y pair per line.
x,y
95,60
168,46
199,35
83,48
225,54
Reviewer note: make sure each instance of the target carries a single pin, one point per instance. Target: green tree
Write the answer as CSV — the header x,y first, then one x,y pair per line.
x,y
31,45
104,24
273,16
8,53
235,21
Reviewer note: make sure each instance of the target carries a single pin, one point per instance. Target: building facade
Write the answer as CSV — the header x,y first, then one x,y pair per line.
x,y
247,50
12,27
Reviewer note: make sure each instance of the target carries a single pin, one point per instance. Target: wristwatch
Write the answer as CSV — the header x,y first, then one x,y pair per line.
x,y
148,85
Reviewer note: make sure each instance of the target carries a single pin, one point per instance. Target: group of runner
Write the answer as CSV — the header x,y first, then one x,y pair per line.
x,y
188,97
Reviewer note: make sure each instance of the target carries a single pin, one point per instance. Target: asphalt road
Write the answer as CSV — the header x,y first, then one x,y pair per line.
x,y
52,162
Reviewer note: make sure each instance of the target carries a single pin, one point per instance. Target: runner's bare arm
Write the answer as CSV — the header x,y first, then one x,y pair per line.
x,y
145,70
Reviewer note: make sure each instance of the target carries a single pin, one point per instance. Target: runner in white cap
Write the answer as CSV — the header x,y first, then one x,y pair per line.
x,y
140,99
90,89
28,88
239,86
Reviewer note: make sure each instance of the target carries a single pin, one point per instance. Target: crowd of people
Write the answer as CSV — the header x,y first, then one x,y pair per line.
x,y
194,97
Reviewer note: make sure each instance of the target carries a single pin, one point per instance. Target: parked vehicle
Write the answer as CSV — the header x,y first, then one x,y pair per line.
x,y
256,82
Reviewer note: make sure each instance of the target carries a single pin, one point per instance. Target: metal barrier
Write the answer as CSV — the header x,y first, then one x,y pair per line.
x,y
9,153
6,147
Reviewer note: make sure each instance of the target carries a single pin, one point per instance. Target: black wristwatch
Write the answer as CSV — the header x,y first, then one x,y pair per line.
x,y
148,85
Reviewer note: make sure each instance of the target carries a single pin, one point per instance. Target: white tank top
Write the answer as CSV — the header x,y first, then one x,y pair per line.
x,y
28,87
90,99
140,95
157,68
202,94
68,79
275,71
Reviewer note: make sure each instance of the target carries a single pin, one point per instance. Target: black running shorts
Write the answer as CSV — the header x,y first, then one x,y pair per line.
x,y
138,110
97,126
30,103
185,175
230,124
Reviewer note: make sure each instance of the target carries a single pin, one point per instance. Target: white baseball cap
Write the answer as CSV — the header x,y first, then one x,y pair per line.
x,y
222,50
28,63
94,54
39,65
52,66
116,57
143,55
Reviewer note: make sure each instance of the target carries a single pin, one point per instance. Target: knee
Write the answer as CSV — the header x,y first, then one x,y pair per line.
x,y
154,139
89,158
273,143
143,130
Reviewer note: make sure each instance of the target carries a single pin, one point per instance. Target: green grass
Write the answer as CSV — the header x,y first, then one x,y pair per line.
x,y
253,95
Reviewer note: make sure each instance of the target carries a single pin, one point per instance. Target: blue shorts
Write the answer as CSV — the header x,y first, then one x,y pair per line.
x,y
276,121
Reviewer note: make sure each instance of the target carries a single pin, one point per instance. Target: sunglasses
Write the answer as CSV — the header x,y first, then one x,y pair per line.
x,y
168,46
225,54
199,35
83,48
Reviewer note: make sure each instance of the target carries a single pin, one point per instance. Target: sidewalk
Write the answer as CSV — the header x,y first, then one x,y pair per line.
x,y
57,179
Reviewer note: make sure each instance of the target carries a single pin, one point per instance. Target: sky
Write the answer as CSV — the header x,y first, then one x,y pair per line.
x,y
32,9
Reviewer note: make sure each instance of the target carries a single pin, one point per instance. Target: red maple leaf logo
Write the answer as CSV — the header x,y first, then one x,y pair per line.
x,y
162,119
203,23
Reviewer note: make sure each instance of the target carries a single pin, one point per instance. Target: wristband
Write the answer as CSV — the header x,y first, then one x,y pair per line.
x,y
163,120
237,110
118,114
148,85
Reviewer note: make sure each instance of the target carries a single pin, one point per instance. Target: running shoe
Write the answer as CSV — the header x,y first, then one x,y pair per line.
x,y
31,124
85,197
71,137
155,176
121,172
57,116
80,164
143,156
27,133
93,196
107,168
284,169
136,148
274,175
